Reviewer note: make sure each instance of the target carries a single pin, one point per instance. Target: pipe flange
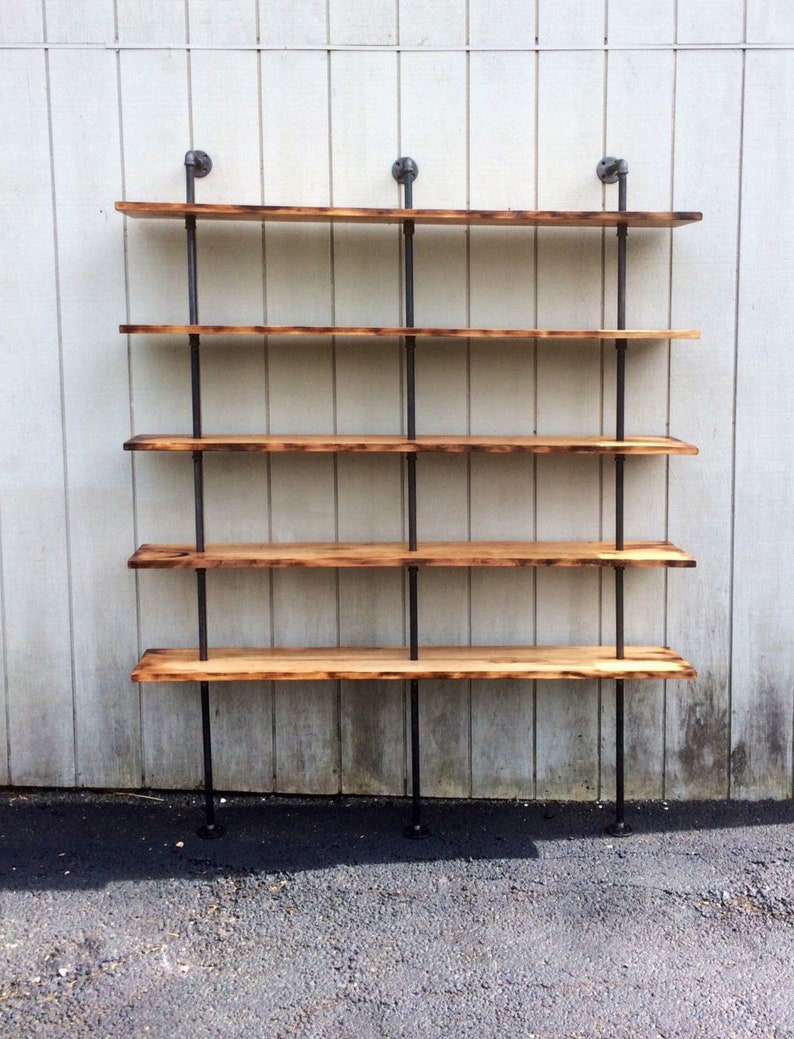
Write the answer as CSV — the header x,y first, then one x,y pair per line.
x,y
200,162
403,168
610,168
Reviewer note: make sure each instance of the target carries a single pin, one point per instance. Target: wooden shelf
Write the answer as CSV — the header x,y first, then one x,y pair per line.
x,y
428,554
337,214
395,444
398,331
531,662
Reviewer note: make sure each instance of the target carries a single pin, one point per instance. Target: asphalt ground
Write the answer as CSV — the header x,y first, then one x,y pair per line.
x,y
317,918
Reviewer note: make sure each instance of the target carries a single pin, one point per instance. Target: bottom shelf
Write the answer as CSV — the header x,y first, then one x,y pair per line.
x,y
530,662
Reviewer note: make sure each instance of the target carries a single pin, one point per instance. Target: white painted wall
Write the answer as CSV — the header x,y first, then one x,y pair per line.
x,y
503,103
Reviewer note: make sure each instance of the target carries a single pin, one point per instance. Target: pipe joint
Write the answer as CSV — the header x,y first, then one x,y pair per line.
x,y
198,162
610,168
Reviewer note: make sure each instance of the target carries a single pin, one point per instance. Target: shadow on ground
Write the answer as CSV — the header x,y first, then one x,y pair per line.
x,y
74,840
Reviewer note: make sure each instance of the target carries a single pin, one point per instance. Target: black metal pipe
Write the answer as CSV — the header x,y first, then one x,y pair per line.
x,y
198,164
620,643
413,612
620,345
622,235
198,456
612,170
620,466
618,169
201,603
192,164
408,239
415,830
411,472
619,828
410,387
198,498
405,172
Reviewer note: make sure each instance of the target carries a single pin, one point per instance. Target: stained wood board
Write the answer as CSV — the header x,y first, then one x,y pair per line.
x,y
374,215
323,664
400,331
385,554
391,443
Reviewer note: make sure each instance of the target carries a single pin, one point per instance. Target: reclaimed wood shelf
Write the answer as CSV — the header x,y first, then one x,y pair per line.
x,y
386,443
398,331
397,554
365,215
332,663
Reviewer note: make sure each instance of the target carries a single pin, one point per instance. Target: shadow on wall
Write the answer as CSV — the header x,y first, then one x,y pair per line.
x,y
87,840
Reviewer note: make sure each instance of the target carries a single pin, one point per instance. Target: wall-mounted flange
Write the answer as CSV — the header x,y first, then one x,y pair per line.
x,y
403,168
200,163
610,168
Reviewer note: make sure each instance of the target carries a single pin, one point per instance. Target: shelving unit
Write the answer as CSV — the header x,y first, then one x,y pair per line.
x,y
416,661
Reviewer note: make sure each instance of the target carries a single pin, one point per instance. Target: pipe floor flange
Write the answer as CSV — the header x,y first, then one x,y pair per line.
x,y
210,833
416,832
619,830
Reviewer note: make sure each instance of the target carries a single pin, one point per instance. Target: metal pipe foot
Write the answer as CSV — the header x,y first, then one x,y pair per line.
x,y
416,832
619,829
209,831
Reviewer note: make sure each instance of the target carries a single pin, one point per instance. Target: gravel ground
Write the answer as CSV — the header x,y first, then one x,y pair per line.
x,y
318,919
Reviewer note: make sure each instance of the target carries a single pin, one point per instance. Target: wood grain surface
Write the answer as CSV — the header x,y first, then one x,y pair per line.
x,y
379,331
317,664
375,215
389,554
396,444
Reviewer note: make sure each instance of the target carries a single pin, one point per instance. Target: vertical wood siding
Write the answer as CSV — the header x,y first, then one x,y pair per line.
x,y
503,103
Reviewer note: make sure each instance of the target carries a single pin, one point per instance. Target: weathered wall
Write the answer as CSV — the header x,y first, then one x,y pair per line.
x,y
503,103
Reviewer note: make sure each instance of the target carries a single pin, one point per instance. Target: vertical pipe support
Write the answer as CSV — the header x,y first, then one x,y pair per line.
x,y
611,171
199,164
405,172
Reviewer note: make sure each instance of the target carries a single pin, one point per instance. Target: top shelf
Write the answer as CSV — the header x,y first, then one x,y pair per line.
x,y
347,215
